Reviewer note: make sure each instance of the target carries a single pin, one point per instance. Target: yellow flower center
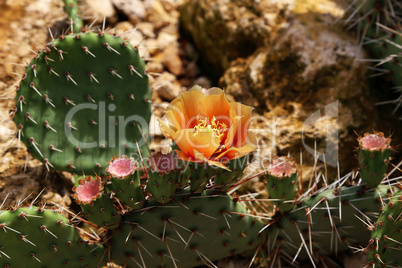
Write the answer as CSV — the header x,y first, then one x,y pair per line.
x,y
215,127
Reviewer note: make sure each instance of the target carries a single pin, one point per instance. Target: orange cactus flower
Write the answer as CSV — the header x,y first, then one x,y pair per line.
x,y
207,128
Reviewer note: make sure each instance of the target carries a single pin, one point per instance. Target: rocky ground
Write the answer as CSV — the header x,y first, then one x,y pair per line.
x,y
288,59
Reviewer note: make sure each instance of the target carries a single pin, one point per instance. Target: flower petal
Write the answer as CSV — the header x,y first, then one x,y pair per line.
x,y
207,92
204,142
210,162
250,144
231,133
244,112
186,108
184,157
167,129
217,106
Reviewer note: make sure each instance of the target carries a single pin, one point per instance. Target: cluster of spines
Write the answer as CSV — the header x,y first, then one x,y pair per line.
x,y
201,176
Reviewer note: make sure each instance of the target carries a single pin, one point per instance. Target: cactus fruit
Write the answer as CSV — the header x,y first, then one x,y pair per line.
x,y
384,249
95,203
374,154
125,181
165,175
73,108
282,181
37,237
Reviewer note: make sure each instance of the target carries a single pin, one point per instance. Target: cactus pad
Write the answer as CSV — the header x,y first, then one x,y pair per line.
x,y
83,99
384,249
207,228
35,237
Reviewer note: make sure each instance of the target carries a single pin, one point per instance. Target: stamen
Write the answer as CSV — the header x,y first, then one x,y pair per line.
x,y
214,126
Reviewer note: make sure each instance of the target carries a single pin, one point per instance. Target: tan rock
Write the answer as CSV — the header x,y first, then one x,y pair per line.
x,y
166,86
154,129
157,14
289,66
99,9
154,67
152,46
164,39
133,9
172,60
147,29
203,81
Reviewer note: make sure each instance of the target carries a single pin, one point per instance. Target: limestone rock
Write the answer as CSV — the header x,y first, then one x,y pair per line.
x,y
291,67
154,129
226,30
147,29
133,9
166,86
100,9
171,60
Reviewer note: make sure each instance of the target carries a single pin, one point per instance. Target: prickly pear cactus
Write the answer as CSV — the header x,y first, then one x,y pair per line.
x,y
84,98
333,218
380,30
384,249
37,237
195,230
328,221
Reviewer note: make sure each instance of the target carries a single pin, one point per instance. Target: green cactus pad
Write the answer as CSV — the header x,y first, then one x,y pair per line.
x,y
165,173
199,174
71,8
84,99
224,179
374,155
162,186
328,222
34,237
186,233
384,247
383,34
